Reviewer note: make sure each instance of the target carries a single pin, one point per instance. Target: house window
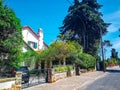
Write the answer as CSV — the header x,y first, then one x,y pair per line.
x,y
29,43
32,44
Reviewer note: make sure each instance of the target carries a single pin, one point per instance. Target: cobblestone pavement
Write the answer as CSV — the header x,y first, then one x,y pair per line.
x,y
71,83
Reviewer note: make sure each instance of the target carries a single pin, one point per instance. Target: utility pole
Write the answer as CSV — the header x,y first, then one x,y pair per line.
x,y
102,50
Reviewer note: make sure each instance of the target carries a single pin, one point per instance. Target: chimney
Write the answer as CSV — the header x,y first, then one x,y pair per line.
x,y
40,33
40,42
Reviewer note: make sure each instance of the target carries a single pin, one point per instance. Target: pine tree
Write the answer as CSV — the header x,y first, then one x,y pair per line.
x,y
84,24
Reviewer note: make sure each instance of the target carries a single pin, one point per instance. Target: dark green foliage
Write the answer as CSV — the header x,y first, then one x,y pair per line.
x,y
11,42
83,24
86,61
114,54
60,51
107,43
111,62
63,69
30,57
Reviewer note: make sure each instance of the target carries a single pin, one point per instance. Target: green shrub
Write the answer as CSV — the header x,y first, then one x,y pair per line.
x,y
56,69
106,63
70,67
68,71
86,61
62,68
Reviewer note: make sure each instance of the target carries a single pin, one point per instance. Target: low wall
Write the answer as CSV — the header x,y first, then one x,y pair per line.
x,y
6,84
58,76
53,76
11,83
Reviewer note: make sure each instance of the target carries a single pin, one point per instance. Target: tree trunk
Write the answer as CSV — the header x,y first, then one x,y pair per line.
x,y
59,62
84,41
49,64
64,61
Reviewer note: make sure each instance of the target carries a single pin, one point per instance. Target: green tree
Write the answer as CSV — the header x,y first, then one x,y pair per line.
x,y
11,42
84,24
114,54
60,51
86,61
106,44
64,50
47,56
31,58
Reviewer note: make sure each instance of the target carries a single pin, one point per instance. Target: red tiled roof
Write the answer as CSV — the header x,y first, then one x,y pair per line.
x,y
24,27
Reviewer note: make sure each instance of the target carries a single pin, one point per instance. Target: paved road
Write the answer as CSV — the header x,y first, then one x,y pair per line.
x,y
88,81
110,82
71,83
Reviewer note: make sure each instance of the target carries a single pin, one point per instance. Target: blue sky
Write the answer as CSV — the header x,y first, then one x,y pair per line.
x,y
111,14
49,14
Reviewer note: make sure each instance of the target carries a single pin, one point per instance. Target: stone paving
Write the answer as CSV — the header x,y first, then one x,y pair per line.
x,y
71,83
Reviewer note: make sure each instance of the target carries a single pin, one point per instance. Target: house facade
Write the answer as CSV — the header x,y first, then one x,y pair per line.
x,y
32,41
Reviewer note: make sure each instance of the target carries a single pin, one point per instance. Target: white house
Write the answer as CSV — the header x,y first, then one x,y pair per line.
x,y
32,40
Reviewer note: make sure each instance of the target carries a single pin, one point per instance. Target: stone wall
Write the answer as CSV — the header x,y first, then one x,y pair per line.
x,y
53,76
11,83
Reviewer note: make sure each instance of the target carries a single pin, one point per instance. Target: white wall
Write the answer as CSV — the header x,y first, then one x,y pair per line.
x,y
44,47
29,36
24,48
5,85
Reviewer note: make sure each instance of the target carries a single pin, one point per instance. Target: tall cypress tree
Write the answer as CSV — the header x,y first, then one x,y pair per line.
x,y
84,24
11,41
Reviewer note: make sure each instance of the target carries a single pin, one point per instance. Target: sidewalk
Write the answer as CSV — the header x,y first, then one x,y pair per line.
x,y
71,83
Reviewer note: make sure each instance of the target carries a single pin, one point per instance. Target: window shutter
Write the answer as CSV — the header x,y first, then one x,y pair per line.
x,y
35,45
29,43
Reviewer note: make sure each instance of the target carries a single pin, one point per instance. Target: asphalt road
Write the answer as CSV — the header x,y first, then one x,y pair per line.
x,y
110,82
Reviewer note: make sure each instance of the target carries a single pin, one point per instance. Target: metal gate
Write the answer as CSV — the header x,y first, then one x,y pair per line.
x,y
37,76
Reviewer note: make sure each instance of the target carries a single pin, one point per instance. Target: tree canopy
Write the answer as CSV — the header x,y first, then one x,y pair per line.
x,y
84,25
114,54
60,51
11,41
86,61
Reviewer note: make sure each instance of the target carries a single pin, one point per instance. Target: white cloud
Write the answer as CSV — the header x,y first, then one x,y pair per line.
x,y
112,28
116,43
114,19
112,35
